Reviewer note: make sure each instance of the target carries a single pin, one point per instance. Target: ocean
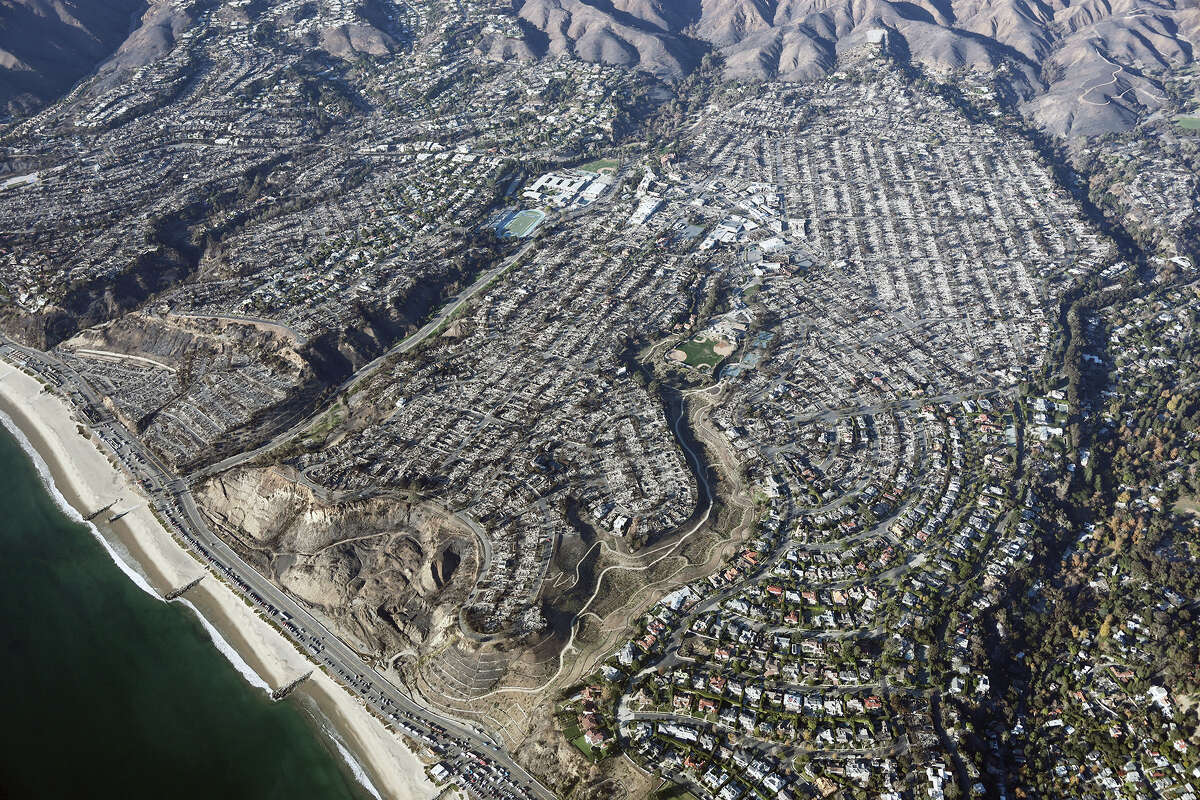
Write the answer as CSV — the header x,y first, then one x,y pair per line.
x,y
106,691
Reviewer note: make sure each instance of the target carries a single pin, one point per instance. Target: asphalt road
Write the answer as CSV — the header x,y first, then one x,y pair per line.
x,y
403,346
483,765
414,339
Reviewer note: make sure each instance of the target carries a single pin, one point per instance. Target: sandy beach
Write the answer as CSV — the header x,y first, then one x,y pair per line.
x,y
89,481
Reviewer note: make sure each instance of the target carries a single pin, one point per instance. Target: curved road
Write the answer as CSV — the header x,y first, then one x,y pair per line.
x,y
474,754
414,339
368,369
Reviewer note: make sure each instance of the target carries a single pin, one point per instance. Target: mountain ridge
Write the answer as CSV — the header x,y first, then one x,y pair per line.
x,y
1060,55
48,45
1075,68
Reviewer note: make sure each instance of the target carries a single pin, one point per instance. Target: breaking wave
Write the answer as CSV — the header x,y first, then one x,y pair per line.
x,y
232,655
356,769
136,577
72,513
227,650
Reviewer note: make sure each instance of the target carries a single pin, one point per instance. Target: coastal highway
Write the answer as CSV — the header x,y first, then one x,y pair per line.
x,y
474,757
460,741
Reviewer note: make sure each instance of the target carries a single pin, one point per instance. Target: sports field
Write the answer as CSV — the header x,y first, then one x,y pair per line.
x,y
700,353
1189,123
601,165
518,223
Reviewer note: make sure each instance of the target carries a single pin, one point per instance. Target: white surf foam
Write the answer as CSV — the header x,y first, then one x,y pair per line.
x,y
239,663
356,769
138,579
227,650
48,481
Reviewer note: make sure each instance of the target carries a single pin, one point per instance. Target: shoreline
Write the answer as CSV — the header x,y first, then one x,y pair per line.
x,y
83,477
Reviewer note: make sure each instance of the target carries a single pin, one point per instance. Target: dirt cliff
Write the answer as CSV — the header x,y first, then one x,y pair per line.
x,y
389,574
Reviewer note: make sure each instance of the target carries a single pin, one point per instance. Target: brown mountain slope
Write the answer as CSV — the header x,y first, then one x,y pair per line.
x,y
47,45
1061,56
605,33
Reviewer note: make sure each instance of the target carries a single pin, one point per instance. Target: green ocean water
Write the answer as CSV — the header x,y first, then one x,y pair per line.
x,y
107,692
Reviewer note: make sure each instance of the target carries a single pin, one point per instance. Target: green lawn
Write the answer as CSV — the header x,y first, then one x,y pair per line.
x,y
522,223
574,735
582,746
674,792
599,164
700,354
327,422
1189,123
